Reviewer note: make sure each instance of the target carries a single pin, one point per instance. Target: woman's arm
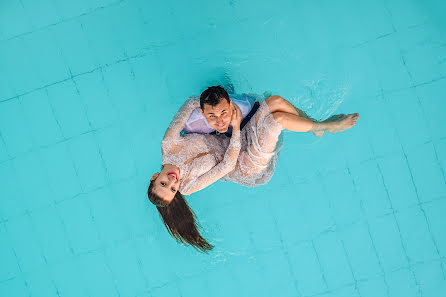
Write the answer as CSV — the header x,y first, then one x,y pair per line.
x,y
227,164
218,171
181,118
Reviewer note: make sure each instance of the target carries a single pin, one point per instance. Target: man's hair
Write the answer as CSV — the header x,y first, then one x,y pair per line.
x,y
213,95
180,220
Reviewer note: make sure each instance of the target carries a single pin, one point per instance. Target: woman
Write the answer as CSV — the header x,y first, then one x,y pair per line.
x,y
194,161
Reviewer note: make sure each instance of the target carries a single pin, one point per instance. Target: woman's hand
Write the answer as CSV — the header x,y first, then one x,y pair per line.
x,y
236,117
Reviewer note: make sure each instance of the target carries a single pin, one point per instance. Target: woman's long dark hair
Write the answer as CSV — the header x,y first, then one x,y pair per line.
x,y
180,221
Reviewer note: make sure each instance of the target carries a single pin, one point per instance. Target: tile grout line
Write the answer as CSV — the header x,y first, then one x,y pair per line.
x,y
364,214
286,253
91,11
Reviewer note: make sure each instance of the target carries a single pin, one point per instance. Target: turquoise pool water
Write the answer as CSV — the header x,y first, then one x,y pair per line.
x,y
87,89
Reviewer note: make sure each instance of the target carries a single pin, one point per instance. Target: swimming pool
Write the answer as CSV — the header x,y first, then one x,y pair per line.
x,y
87,89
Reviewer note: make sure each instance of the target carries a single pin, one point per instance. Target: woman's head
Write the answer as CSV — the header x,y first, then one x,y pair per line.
x,y
179,220
165,184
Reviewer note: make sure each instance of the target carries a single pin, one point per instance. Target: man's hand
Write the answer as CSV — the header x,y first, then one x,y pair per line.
x,y
236,117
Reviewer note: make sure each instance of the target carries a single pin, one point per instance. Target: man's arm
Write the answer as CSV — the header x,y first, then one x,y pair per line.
x,y
226,165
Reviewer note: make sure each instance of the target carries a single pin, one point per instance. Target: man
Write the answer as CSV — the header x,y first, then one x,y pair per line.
x,y
215,111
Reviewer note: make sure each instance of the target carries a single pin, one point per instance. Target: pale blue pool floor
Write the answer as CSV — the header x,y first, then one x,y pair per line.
x,y
87,89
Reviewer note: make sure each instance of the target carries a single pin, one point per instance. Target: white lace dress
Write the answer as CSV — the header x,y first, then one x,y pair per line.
x,y
247,158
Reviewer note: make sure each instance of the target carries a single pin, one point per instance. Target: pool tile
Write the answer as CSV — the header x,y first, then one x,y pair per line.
x,y
344,203
108,218
9,268
13,201
116,154
433,105
11,22
233,231
126,18
87,161
69,10
40,283
97,276
39,113
246,271
411,124
33,180
317,210
68,278
360,251
349,290
22,237
277,273
391,70
360,149
14,128
344,23
7,90
416,235
45,54
375,19
188,286
430,277
291,220
41,15
100,109
14,287
4,155
307,270
398,180
21,65
126,269
69,109
388,242
264,223
79,225
408,17
402,283
51,233
155,260
426,171
364,83
105,45
70,39
423,63
382,133
373,287
435,211
440,149
142,137
134,212
168,290
62,175
370,189
333,260
120,83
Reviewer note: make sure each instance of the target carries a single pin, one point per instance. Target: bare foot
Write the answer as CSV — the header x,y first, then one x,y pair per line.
x,y
333,118
319,133
344,122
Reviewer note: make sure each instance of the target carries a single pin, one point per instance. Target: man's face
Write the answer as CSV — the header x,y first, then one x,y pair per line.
x,y
218,116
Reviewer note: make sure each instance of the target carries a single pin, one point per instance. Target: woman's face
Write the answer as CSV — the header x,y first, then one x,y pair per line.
x,y
166,183
218,116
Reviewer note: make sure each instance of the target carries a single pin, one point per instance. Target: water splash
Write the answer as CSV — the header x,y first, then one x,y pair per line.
x,y
320,100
